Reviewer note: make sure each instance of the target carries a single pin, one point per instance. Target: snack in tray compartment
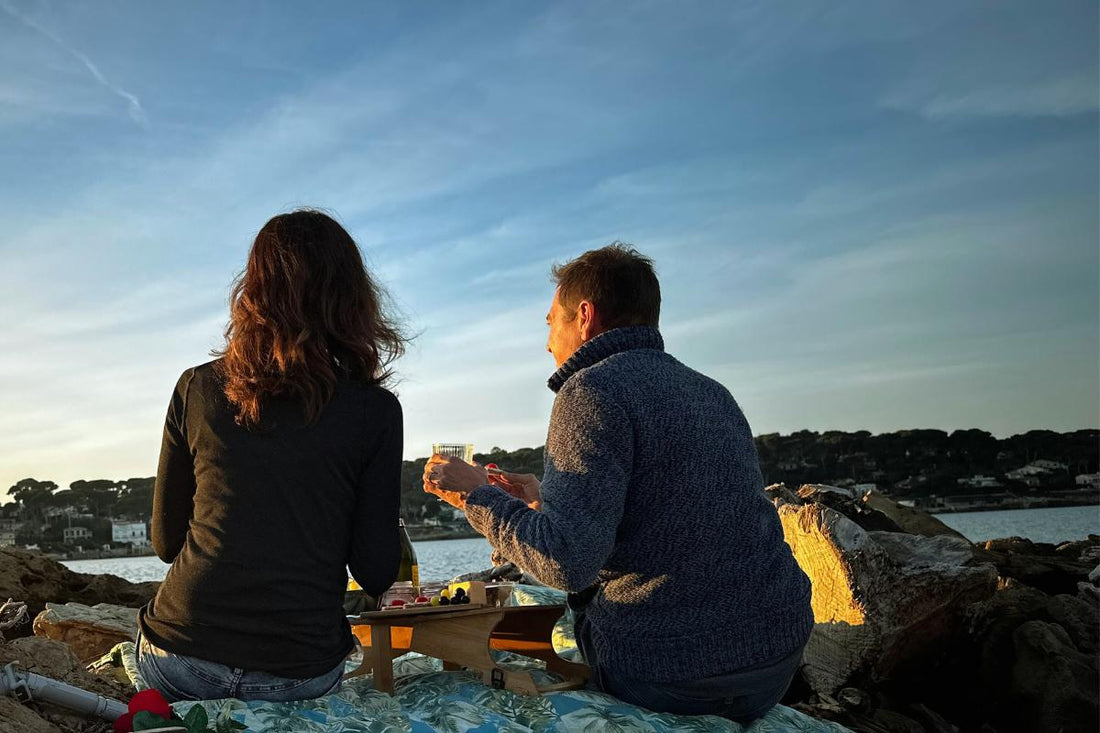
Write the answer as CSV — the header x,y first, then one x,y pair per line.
x,y
473,590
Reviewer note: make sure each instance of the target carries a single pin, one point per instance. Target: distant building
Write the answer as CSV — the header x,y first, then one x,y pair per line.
x,y
980,482
131,532
1031,469
7,538
981,501
68,510
1088,480
1028,479
912,482
1049,465
450,515
72,535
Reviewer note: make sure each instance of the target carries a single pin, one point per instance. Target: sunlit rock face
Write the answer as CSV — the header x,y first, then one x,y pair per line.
x,y
90,631
881,599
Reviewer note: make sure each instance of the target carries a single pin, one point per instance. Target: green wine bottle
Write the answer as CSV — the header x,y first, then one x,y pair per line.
x,y
409,570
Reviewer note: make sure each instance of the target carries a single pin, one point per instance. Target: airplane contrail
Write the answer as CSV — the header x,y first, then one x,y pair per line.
x,y
134,108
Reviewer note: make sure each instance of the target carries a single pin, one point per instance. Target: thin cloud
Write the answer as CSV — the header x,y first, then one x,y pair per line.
x,y
1053,98
133,104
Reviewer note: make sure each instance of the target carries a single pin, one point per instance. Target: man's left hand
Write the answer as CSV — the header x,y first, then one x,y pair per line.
x,y
454,475
458,501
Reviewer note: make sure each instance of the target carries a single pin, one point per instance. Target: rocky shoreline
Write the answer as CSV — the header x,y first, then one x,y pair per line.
x,y
918,630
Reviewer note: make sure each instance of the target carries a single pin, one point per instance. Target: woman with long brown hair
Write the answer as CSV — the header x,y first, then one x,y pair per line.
x,y
280,466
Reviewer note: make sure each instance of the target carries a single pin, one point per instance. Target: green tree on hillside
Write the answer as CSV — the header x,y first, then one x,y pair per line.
x,y
135,498
33,497
97,496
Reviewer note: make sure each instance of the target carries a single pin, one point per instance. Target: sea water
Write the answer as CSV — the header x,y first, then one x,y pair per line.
x,y
439,560
444,559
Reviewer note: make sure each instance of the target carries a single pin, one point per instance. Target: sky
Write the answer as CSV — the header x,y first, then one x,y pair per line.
x,y
873,216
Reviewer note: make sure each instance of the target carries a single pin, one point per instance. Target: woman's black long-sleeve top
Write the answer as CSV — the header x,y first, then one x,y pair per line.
x,y
260,523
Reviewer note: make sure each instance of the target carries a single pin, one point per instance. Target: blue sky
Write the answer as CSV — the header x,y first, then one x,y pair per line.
x,y
864,215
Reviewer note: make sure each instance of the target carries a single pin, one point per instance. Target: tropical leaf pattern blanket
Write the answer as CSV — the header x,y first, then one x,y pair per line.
x,y
428,699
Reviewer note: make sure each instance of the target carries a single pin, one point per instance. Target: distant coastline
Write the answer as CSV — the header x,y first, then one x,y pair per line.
x,y
430,533
1006,505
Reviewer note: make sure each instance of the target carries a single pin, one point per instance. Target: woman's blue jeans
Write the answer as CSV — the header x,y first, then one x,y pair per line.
x,y
179,677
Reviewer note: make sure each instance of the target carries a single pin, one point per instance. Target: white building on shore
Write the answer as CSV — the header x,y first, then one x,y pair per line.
x,y
1088,480
127,531
72,535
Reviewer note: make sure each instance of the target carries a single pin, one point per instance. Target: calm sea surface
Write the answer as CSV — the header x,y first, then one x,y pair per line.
x,y
440,560
445,559
1053,524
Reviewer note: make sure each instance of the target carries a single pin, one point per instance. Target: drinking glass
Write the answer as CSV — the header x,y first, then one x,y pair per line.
x,y
465,451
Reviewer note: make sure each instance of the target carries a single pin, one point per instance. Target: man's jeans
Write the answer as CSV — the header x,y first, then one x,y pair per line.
x,y
741,696
179,677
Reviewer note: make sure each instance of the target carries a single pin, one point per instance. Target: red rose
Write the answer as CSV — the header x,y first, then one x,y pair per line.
x,y
151,701
124,723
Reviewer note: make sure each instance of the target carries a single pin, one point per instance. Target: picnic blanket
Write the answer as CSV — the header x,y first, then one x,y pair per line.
x,y
428,699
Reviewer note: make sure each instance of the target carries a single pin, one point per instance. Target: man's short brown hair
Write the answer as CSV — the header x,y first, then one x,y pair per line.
x,y
617,279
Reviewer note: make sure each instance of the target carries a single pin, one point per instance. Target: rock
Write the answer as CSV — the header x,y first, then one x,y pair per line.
x,y
505,572
819,492
15,717
1086,550
780,495
90,631
854,699
35,579
847,503
1054,685
882,600
1037,564
985,680
56,660
907,518
932,721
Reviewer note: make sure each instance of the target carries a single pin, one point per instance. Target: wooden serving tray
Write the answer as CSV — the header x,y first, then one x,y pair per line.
x,y
406,611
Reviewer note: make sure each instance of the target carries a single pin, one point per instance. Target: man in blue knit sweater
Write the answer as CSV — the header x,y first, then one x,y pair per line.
x,y
651,511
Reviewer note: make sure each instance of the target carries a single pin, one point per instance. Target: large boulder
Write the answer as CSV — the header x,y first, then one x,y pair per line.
x,y
55,660
909,519
882,601
90,631
1054,684
35,579
1026,660
1049,568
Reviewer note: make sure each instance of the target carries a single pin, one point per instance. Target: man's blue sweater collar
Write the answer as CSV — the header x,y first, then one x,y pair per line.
x,y
607,343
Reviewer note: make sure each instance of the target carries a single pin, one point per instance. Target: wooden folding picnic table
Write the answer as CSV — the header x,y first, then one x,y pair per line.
x,y
462,636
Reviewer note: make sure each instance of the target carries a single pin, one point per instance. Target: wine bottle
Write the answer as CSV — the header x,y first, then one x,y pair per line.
x,y
409,570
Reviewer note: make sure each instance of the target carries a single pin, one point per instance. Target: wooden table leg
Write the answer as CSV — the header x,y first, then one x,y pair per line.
x,y
464,641
382,658
531,634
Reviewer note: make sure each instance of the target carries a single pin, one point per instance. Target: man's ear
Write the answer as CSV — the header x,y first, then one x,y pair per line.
x,y
588,319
